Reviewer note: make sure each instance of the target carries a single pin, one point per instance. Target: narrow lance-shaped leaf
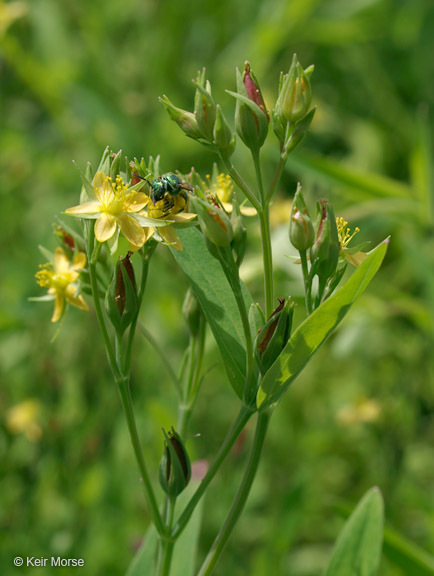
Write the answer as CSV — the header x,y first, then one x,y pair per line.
x,y
315,330
406,555
357,551
218,303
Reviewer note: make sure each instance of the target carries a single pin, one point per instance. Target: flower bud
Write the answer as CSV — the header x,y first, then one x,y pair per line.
x,y
175,467
301,230
185,120
295,94
251,117
325,250
205,110
214,221
192,312
121,298
297,133
272,339
223,136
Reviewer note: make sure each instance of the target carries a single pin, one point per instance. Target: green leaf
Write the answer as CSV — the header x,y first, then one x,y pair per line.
x,y
185,551
357,551
336,173
315,330
143,561
408,557
217,301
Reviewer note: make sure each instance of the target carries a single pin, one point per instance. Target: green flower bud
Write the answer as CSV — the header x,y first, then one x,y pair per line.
x,y
272,339
192,312
223,136
185,120
325,250
175,467
296,134
301,230
213,220
295,94
205,109
239,241
251,117
121,298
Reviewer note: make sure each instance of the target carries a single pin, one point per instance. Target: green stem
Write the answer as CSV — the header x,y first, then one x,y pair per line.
x,y
99,313
307,282
276,178
124,389
240,422
162,356
247,335
240,498
167,545
238,179
146,257
267,258
185,407
264,222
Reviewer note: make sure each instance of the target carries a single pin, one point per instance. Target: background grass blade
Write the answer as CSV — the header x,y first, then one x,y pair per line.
x,y
357,551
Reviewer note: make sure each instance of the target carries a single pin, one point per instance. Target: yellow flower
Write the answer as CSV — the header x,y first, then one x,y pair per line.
x,y
222,186
353,255
60,277
23,418
170,208
113,207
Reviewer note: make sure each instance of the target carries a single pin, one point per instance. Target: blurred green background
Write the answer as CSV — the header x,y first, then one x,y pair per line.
x,y
78,76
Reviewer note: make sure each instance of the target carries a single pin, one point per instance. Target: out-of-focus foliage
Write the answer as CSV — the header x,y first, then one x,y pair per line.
x,y
77,76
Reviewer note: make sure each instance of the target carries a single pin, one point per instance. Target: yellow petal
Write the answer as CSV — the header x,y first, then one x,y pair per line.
x,y
131,229
135,201
88,208
182,217
248,211
59,305
79,261
149,231
103,188
77,301
227,206
355,259
169,235
105,227
61,262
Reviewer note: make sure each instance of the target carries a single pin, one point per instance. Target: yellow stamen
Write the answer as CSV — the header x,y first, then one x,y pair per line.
x,y
344,232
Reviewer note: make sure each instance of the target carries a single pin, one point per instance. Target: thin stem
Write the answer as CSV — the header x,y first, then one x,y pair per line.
x,y
185,407
240,498
124,389
276,178
264,222
167,545
146,257
240,422
238,179
307,282
267,258
152,341
257,164
247,335
99,312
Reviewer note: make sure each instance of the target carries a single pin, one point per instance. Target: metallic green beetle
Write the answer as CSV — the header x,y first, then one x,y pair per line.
x,y
168,183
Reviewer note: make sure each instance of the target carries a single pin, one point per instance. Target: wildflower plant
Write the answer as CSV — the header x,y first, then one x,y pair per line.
x,y
128,208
